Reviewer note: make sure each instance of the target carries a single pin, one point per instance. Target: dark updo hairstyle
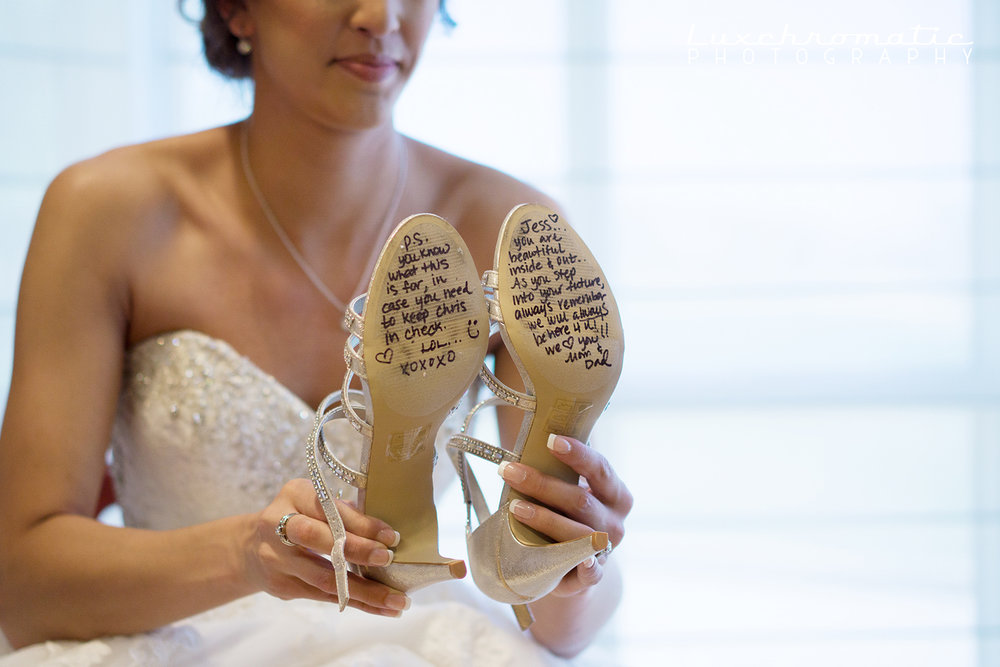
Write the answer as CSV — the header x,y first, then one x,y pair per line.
x,y
220,44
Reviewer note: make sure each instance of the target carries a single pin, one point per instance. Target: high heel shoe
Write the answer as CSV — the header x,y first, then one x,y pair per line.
x,y
417,340
557,316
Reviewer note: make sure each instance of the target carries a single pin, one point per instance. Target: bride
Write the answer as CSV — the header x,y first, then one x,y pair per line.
x,y
183,300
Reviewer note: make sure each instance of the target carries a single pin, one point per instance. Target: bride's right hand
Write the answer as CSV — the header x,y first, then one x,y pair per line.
x,y
301,571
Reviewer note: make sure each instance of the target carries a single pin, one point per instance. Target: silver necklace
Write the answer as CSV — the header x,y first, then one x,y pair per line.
x,y
287,242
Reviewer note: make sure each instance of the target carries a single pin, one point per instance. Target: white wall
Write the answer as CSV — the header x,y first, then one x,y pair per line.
x,y
806,250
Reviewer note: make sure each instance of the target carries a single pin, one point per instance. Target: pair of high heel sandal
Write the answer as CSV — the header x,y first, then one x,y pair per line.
x,y
418,340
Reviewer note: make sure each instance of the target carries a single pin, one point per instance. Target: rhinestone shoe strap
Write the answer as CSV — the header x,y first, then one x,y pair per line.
x,y
474,499
462,443
355,478
354,359
510,396
353,317
491,281
316,444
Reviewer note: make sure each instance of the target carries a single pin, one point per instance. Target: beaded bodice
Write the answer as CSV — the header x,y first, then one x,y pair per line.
x,y
201,432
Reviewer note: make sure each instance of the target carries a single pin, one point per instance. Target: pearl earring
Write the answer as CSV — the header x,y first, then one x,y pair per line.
x,y
243,46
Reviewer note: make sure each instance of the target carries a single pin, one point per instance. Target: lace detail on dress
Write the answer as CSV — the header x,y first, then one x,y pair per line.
x,y
202,433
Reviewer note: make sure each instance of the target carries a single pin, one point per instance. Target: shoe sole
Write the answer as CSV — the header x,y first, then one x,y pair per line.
x,y
425,335
563,330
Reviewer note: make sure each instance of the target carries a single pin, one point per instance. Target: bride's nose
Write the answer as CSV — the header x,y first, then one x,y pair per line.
x,y
376,17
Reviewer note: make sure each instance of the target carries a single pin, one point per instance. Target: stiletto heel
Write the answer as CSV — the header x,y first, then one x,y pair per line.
x,y
552,305
414,368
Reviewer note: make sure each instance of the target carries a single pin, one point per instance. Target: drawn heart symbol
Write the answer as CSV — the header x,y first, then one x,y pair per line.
x,y
384,357
554,217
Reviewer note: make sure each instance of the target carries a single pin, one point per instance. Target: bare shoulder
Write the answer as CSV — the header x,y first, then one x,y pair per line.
x,y
103,219
476,198
119,194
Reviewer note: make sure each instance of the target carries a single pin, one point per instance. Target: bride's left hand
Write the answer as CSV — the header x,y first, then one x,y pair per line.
x,y
566,511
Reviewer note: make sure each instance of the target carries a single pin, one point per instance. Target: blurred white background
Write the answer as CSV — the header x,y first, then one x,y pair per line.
x,y
798,205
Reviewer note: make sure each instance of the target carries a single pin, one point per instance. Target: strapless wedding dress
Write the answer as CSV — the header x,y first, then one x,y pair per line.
x,y
201,433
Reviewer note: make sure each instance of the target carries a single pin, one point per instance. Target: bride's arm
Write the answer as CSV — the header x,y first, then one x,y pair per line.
x,y
63,574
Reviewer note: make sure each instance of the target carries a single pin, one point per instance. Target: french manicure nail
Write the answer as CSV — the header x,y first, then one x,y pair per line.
x,y
397,601
382,557
521,509
558,444
511,473
590,563
391,535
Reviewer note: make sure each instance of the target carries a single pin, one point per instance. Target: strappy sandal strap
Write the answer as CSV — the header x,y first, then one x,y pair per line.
x,y
355,362
461,444
469,445
342,471
482,449
353,359
353,316
491,280
317,444
458,446
354,347
510,396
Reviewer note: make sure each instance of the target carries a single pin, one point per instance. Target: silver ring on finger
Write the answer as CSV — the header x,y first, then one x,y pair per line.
x,y
280,529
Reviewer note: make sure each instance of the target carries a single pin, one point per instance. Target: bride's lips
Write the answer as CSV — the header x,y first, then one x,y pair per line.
x,y
372,68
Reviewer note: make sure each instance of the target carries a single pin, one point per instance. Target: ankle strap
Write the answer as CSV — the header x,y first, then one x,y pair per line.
x,y
353,315
491,281
325,414
355,361
317,442
475,446
510,396
461,444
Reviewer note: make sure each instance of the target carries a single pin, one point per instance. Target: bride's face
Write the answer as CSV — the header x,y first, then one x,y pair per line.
x,y
342,62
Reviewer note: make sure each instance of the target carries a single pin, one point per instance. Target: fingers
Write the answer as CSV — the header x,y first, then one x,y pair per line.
x,y
561,528
355,521
314,535
600,504
547,522
302,570
594,467
573,503
590,571
367,537
585,575
312,577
